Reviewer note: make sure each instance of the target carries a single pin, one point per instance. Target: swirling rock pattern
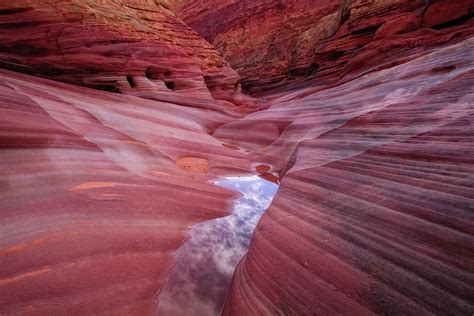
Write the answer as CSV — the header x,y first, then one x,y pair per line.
x,y
271,43
375,209
371,135
93,202
133,47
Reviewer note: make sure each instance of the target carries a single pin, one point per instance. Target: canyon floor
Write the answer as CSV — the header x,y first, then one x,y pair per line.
x,y
138,178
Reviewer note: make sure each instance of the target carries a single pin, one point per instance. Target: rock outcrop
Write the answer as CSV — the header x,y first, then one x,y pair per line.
x,y
134,47
271,43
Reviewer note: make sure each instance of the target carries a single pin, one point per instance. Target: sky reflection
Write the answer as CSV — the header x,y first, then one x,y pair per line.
x,y
199,280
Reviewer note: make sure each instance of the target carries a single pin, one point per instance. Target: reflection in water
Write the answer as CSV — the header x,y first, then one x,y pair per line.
x,y
199,280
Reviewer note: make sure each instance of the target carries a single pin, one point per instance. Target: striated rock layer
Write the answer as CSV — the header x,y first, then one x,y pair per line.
x,y
134,47
97,191
371,135
271,43
374,214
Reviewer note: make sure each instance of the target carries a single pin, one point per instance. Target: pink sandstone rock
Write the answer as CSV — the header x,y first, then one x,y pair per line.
x,y
92,202
374,210
365,116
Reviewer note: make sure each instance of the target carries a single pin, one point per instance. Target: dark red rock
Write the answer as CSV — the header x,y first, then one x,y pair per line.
x,y
273,43
444,14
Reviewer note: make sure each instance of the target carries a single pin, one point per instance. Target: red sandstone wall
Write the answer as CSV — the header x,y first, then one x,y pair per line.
x,y
133,47
271,43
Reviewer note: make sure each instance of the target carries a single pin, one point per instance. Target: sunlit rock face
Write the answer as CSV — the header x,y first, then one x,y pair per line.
x,y
134,47
271,43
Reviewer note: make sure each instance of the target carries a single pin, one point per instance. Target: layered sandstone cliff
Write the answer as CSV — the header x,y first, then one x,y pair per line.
x,y
134,47
271,43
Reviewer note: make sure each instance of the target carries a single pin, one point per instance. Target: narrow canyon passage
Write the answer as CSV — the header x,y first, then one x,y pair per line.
x,y
203,267
236,157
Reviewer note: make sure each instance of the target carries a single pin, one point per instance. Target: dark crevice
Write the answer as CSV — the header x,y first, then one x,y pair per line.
x,y
312,69
302,71
18,25
335,55
16,67
170,85
24,49
150,74
13,11
108,88
121,41
367,30
443,69
157,73
49,70
131,82
456,22
208,82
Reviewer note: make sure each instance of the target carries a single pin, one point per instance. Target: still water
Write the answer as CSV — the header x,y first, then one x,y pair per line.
x,y
201,276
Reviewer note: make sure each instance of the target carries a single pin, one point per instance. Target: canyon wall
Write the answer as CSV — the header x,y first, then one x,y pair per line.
x,y
133,47
374,211
271,43
368,121
97,191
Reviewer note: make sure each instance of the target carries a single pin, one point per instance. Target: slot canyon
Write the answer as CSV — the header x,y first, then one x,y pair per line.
x,y
236,157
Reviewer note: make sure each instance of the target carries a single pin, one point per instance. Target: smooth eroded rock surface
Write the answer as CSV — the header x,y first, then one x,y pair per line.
x,y
374,214
133,47
365,118
93,202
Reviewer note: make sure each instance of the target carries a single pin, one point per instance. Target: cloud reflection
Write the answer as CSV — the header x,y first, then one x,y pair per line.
x,y
200,278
